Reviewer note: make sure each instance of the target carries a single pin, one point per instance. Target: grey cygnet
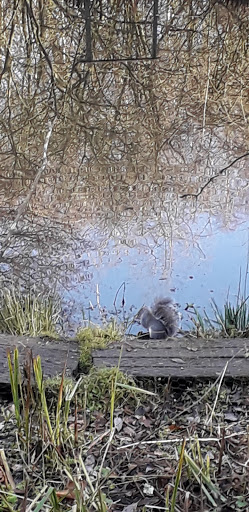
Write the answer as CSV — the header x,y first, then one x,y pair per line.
x,y
161,320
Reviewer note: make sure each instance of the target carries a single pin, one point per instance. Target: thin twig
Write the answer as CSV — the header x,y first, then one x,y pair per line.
x,y
178,440
215,176
206,99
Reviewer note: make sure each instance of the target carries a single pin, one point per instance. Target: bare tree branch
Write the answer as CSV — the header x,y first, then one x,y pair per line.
x,y
22,208
89,55
215,176
155,23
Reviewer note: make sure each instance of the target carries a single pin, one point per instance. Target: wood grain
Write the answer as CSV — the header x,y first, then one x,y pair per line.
x,y
181,357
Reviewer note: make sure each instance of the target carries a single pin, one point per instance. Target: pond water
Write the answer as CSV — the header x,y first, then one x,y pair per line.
x,y
207,267
110,246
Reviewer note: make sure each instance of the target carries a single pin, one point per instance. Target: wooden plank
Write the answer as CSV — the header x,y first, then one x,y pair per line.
x,y
180,363
182,357
193,370
181,341
185,373
175,353
53,354
182,344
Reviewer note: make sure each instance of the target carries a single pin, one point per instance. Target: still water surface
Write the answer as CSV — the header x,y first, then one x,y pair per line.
x,y
208,267
128,234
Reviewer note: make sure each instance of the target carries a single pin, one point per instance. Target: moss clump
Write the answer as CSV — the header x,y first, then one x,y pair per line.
x,y
95,389
52,385
94,337
98,388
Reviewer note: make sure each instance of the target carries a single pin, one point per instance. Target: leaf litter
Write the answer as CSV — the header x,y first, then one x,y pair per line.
x,y
138,467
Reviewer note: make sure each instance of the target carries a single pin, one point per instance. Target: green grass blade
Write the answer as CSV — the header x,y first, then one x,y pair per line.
x,y
44,499
14,383
178,477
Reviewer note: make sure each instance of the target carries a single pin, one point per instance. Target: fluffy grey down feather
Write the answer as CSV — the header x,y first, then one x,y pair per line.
x,y
161,320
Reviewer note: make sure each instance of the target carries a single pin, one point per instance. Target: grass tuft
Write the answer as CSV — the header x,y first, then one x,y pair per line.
x,y
98,387
232,321
32,313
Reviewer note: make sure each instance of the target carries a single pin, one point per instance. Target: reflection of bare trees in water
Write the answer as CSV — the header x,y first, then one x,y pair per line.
x,y
130,133
51,246
44,253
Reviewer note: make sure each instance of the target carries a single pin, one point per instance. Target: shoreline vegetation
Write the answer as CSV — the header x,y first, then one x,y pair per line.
x,y
35,313
108,442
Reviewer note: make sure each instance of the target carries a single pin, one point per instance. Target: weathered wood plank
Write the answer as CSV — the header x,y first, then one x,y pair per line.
x,y
174,353
53,354
159,362
182,344
180,357
183,341
185,373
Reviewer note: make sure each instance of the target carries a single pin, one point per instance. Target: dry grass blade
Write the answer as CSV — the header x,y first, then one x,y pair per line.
x,y
113,390
178,477
217,394
136,389
7,469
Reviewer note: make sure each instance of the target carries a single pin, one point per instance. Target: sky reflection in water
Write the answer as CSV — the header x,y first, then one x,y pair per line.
x,y
205,267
